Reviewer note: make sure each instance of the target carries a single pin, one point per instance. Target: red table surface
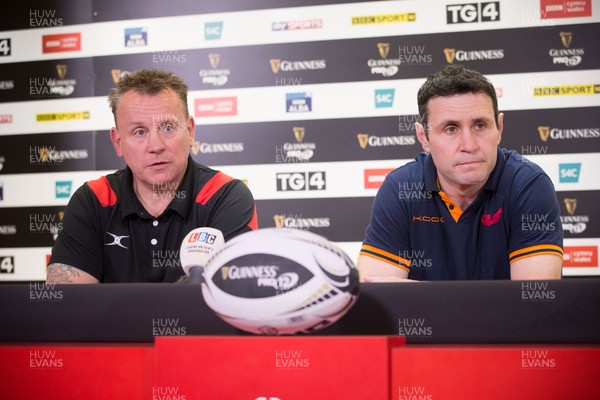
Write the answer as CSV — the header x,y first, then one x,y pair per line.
x,y
375,367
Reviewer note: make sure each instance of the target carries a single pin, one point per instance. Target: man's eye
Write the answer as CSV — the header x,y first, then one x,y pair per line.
x,y
139,132
451,130
480,126
168,127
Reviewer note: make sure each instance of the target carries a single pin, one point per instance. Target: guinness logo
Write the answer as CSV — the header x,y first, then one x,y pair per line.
x,y
279,220
299,133
214,60
275,64
363,140
116,75
61,70
43,152
450,54
384,49
566,38
61,214
544,132
196,147
571,205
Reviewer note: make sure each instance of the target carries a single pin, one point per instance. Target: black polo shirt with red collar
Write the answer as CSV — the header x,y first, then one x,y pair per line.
x,y
416,227
108,233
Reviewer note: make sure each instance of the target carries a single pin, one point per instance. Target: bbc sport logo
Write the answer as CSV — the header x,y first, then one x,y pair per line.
x,y
569,173
384,98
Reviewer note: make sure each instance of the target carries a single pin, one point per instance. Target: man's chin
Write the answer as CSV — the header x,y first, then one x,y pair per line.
x,y
162,182
473,180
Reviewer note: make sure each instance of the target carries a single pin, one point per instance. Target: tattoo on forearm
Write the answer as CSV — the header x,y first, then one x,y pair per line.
x,y
61,273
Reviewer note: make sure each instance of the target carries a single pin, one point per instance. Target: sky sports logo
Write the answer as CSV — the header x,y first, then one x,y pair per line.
x,y
384,98
569,173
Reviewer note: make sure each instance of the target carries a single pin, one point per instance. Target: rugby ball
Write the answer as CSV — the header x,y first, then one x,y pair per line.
x,y
279,282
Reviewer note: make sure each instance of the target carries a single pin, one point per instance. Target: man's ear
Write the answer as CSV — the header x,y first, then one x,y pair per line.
x,y
500,126
422,137
115,138
191,127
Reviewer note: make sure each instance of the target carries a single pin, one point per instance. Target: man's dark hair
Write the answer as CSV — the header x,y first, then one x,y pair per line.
x,y
452,80
148,82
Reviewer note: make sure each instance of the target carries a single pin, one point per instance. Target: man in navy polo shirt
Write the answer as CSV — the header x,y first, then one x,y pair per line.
x,y
128,226
465,208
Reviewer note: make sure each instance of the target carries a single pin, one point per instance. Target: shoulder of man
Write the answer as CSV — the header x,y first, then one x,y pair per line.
x,y
412,170
209,182
518,166
107,188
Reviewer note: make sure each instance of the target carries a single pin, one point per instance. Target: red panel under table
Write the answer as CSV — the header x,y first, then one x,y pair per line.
x,y
287,368
436,372
76,371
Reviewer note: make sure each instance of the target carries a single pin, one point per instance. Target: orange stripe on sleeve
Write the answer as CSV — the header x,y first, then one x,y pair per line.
x,y
385,256
211,187
253,224
104,193
536,250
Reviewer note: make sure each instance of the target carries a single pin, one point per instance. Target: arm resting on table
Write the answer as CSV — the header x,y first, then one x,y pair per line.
x,y
373,270
63,273
543,266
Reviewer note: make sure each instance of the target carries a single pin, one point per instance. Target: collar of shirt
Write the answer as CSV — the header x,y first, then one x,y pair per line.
x,y
182,200
430,172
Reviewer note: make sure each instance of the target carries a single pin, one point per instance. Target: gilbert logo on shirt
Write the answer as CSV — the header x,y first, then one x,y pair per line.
x,y
116,240
490,219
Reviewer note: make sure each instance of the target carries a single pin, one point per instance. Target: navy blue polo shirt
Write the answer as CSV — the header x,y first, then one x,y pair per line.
x,y
416,227
108,233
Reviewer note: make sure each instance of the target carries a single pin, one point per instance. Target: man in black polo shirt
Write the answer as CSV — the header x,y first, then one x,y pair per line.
x,y
465,208
128,226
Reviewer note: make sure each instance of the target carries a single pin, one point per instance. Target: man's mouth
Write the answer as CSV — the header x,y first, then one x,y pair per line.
x,y
470,162
158,164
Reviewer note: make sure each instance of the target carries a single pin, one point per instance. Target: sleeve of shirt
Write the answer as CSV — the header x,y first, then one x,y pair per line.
x,y
387,235
535,221
234,211
79,243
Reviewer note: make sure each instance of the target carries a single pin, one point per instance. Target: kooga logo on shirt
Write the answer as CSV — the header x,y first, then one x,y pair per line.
x,y
427,218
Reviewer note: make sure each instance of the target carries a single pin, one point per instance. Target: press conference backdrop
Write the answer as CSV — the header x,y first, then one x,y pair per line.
x,y
311,105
